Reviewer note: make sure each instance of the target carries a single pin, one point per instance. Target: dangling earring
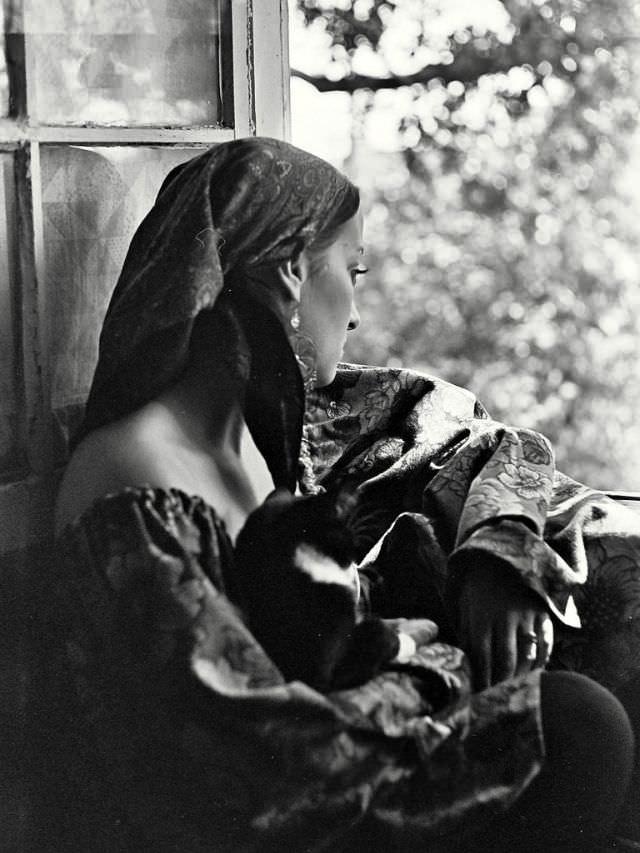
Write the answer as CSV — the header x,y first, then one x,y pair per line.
x,y
304,351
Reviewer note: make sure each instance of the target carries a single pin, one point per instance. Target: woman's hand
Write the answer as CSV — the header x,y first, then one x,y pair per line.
x,y
503,626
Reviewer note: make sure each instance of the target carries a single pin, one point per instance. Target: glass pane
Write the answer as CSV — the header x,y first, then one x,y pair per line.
x,y
93,200
11,55
124,62
4,83
8,343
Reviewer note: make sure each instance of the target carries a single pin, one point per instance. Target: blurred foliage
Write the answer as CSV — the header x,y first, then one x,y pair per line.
x,y
503,236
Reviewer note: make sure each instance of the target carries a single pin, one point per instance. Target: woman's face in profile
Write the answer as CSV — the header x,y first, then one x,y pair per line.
x,y
327,299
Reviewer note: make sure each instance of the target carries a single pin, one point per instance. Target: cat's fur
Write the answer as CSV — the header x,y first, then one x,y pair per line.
x,y
298,586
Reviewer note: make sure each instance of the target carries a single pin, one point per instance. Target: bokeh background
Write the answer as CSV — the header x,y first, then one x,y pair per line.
x,y
497,147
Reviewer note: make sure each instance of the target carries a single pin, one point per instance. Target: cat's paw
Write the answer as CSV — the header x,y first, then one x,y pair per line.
x,y
421,631
407,648
373,645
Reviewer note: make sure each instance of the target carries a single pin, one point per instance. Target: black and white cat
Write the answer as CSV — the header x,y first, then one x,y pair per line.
x,y
298,586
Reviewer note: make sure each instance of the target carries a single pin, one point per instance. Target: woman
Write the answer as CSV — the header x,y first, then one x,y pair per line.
x,y
184,735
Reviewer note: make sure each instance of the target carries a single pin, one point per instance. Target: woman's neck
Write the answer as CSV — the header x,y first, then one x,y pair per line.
x,y
208,411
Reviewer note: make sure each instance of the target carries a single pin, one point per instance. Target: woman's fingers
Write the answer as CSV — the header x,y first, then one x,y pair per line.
x,y
502,628
535,641
505,651
482,662
527,642
475,639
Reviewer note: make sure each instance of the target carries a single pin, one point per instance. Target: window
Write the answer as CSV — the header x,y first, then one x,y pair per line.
x,y
496,146
98,101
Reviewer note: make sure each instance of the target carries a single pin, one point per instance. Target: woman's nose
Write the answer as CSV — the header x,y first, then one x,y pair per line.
x,y
354,319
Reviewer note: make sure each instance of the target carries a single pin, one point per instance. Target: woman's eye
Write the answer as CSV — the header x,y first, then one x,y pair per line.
x,y
358,271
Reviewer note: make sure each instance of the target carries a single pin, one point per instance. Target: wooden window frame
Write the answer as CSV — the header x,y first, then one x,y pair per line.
x,y
260,90
259,94
260,105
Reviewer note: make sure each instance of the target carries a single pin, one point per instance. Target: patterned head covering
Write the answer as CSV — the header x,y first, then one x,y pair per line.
x,y
231,214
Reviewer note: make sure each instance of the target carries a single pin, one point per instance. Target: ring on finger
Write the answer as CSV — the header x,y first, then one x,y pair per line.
x,y
528,637
529,641
545,647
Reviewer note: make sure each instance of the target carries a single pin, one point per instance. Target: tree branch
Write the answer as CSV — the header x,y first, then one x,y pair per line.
x,y
465,72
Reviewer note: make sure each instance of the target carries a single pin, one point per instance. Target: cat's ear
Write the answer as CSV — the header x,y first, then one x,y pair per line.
x,y
279,497
293,273
343,494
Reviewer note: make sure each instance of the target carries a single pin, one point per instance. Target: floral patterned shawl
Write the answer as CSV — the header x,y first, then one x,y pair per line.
x,y
172,729
178,732
166,726
447,487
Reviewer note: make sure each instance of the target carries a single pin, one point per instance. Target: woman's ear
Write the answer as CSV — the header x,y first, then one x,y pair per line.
x,y
293,274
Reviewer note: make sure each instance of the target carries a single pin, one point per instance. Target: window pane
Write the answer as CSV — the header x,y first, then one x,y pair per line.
x,y
4,84
8,343
93,200
125,62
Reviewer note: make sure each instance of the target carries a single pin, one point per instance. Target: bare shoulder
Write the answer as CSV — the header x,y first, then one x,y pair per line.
x,y
152,448
130,452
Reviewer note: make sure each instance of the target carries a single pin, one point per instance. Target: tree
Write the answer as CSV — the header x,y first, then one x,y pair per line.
x,y
506,238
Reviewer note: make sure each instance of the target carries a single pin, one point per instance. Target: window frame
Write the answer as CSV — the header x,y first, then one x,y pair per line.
x,y
29,478
259,90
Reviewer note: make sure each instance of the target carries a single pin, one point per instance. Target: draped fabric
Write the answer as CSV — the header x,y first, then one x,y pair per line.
x,y
177,732
172,728
222,223
446,487
185,736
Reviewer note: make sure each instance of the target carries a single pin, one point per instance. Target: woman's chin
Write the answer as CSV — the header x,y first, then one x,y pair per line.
x,y
325,377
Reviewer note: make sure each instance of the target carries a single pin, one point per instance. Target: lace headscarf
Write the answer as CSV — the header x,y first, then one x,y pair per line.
x,y
225,219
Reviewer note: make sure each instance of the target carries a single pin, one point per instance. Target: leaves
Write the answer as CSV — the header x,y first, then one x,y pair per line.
x,y
503,235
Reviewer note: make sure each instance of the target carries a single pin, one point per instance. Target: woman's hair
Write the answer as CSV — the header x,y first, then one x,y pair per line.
x,y
348,208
